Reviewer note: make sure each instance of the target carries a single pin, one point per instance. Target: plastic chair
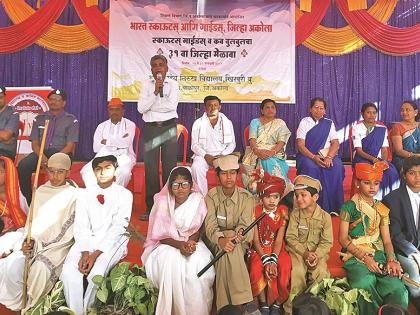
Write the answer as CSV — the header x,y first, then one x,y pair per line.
x,y
353,180
181,129
246,136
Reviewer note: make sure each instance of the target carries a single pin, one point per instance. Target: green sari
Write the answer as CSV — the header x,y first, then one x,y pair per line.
x,y
364,230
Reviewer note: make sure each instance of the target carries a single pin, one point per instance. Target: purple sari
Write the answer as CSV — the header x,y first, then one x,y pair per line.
x,y
332,193
372,145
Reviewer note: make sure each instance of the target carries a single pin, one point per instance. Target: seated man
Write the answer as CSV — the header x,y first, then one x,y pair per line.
x,y
114,136
9,127
102,216
12,202
230,210
211,135
404,203
51,239
62,135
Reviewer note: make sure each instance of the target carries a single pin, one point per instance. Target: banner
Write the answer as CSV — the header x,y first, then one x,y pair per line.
x,y
28,102
241,51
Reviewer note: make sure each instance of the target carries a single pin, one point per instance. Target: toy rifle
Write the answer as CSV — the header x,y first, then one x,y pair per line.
x,y
221,253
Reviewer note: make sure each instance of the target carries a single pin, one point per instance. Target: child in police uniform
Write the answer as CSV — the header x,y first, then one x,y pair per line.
x,y
309,238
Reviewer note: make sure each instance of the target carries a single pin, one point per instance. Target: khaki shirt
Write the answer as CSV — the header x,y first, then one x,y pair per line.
x,y
310,233
226,215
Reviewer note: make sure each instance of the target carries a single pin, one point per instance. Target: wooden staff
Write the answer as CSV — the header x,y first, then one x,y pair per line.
x,y
31,213
221,253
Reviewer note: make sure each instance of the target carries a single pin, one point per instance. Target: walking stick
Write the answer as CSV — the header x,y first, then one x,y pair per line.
x,y
221,253
31,214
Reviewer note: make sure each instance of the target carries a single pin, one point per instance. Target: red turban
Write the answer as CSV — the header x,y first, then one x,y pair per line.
x,y
270,185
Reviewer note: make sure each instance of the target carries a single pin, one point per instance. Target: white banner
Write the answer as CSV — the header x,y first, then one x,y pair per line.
x,y
241,51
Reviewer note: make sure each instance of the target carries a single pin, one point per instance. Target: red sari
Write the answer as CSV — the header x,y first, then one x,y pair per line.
x,y
267,231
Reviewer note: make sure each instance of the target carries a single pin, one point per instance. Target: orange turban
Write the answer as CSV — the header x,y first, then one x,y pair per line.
x,y
270,185
115,101
365,171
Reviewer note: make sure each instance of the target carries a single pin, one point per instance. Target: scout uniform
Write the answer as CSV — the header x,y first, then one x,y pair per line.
x,y
9,120
225,217
308,233
63,128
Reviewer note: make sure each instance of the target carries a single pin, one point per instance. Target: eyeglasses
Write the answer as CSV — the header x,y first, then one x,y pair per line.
x,y
58,171
184,185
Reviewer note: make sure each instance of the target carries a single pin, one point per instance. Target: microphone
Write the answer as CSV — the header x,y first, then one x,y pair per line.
x,y
160,77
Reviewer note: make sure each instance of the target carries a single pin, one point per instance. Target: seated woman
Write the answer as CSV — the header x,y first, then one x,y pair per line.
x,y
173,252
269,263
12,203
405,135
268,137
317,143
369,257
370,141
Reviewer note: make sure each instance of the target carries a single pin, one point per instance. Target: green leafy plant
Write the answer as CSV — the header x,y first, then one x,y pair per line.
x,y
125,291
54,301
338,295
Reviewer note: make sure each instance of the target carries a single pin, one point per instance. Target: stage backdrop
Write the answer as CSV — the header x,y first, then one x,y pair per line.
x,y
242,51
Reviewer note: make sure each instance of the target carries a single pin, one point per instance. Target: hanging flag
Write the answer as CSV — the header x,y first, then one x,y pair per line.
x,y
355,5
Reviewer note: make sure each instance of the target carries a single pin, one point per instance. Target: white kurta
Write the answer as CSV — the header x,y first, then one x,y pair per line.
x,y
96,227
206,139
119,142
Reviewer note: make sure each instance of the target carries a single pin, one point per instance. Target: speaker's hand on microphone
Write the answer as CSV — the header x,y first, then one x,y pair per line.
x,y
158,84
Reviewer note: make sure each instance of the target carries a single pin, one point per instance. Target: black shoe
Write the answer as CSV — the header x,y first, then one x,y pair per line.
x,y
144,217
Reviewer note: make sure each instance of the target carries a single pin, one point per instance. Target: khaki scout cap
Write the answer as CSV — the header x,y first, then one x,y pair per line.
x,y
60,161
305,181
227,162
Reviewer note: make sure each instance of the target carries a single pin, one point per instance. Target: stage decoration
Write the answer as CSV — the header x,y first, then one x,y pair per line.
x,y
58,38
355,5
306,5
308,22
340,41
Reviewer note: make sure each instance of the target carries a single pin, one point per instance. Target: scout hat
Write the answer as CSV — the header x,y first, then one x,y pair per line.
x,y
227,162
366,171
60,161
3,90
270,185
305,181
115,101
60,92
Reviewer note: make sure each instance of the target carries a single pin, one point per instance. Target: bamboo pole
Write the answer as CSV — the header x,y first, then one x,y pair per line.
x,y
31,214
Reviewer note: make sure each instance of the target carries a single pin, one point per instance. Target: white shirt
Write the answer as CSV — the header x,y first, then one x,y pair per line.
x,y
415,204
101,226
155,108
206,139
308,123
116,143
360,131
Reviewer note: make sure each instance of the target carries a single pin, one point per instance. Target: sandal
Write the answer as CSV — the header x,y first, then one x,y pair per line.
x,y
276,310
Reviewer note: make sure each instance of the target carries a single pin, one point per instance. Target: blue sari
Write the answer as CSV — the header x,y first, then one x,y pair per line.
x,y
410,143
372,145
332,193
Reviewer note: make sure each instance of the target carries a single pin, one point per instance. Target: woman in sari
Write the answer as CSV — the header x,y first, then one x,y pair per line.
x,y
405,135
268,137
173,252
13,206
370,141
269,263
368,253
317,143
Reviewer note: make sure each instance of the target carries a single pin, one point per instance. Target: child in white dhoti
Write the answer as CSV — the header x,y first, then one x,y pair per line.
x,y
114,136
102,216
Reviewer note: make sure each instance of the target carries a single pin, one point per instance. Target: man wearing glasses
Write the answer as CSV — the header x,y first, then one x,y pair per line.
x,y
51,239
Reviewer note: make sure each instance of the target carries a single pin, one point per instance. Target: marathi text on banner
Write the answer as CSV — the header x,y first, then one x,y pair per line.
x,y
243,56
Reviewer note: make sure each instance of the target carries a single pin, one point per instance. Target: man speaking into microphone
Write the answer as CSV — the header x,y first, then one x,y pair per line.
x,y
158,103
